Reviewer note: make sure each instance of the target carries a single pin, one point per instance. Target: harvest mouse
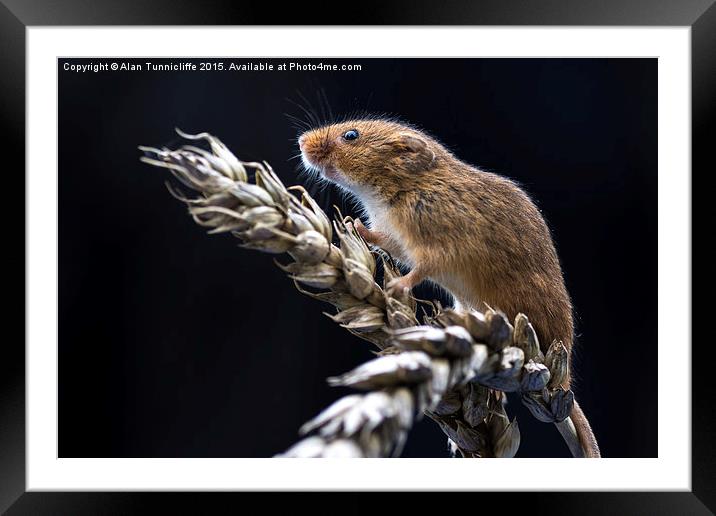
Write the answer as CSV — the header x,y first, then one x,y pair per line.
x,y
475,233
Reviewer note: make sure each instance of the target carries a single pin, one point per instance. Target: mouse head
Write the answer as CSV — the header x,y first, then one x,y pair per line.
x,y
367,156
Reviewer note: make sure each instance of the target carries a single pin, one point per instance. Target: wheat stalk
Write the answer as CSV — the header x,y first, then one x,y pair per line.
x,y
455,367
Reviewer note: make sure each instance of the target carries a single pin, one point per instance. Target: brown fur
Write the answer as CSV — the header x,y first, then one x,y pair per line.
x,y
475,233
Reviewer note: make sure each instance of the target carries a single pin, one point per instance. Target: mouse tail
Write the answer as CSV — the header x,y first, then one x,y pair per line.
x,y
584,432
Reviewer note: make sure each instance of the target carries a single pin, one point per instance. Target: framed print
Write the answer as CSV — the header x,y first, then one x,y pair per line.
x,y
455,232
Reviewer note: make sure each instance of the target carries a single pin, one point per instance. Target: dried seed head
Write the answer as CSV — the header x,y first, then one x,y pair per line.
x,y
207,180
320,275
250,195
474,322
342,448
509,384
452,447
449,428
469,439
500,334
424,338
276,245
360,280
474,405
404,408
387,371
266,216
378,337
477,324
535,403
307,448
561,404
534,377
269,181
311,247
508,442
525,338
557,360
458,342
399,315
353,246
511,361
334,411
212,160
453,341
361,318
310,209
479,358
375,423
449,404
297,223
341,300
221,152
501,370
439,384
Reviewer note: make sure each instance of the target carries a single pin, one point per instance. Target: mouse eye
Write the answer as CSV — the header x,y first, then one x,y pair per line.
x,y
350,135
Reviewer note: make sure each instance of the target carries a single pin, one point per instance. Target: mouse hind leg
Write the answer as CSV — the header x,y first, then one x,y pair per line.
x,y
416,276
425,266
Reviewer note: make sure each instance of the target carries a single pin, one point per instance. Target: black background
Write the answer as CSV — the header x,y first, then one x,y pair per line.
x,y
175,343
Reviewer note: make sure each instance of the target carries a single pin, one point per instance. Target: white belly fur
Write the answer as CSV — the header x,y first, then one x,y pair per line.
x,y
380,220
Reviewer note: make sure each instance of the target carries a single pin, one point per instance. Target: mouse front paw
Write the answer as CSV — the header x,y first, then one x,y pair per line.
x,y
369,236
404,284
399,286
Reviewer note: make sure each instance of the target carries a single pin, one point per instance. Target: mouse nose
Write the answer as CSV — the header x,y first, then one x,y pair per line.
x,y
301,141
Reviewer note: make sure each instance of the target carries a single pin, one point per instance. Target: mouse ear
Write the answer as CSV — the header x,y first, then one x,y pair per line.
x,y
419,156
411,142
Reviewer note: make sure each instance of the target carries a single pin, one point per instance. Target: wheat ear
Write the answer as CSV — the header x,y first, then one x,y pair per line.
x,y
455,367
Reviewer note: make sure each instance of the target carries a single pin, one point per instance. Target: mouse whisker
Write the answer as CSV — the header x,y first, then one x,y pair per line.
x,y
309,110
309,122
329,111
297,122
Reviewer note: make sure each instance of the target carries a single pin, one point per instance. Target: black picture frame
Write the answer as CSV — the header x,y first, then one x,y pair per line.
x,y
17,15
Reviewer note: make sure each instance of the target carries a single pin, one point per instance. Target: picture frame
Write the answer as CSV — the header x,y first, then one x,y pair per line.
x,y
16,16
